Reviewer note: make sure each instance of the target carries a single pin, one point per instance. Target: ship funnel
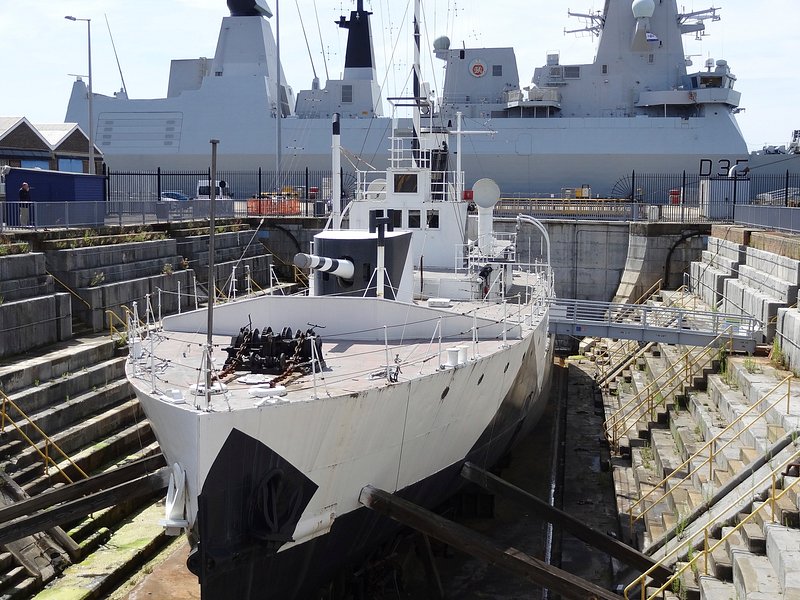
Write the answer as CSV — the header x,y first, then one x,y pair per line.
x,y
486,194
643,10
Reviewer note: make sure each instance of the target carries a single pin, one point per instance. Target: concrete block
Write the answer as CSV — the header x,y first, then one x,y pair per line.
x,y
783,244
775,265
788,334
776,287
733,294
728,233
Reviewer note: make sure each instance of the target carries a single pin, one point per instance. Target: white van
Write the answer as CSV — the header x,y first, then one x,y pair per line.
x,y
204,190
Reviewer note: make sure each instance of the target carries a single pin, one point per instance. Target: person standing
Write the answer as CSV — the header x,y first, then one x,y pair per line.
x,y
24,203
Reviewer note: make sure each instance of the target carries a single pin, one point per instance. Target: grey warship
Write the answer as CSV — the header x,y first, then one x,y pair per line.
x,y
636,108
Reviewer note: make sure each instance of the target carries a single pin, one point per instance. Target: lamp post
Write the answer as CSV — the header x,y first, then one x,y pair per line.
x,y
91,125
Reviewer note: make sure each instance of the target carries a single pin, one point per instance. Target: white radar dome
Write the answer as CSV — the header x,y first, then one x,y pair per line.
x,y
441,43
485,193
643,9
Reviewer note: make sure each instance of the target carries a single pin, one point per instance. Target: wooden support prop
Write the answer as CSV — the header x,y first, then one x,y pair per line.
x,y
79,489
480,546
580,530
83,506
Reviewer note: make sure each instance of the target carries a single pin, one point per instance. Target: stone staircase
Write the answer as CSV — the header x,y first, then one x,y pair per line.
x,y
77,394
671,452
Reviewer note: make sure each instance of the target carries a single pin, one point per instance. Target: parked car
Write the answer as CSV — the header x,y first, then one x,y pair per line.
x,y
174,197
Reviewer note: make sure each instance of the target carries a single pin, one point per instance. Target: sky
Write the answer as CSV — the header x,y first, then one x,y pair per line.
x,y
42,51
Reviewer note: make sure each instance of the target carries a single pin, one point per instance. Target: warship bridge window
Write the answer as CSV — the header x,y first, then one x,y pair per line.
x,y
497,70
405,183
572,72
413,219
397,218
347,94
432,219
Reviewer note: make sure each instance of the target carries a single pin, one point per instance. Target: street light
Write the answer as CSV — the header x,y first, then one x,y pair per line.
x,y
91,125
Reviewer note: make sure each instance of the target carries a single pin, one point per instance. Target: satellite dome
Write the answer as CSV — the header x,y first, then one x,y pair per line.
x,y
643,9
485,193
441,43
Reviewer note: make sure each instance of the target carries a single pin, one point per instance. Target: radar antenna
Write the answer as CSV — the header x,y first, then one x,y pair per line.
x,y
694,22
594,22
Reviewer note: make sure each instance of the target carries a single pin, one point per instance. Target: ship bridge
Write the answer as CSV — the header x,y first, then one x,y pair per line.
x,y
646,323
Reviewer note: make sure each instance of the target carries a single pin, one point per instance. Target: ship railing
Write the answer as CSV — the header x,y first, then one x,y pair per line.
x,y
373,186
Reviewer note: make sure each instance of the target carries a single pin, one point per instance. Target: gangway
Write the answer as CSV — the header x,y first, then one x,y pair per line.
x,y
646,323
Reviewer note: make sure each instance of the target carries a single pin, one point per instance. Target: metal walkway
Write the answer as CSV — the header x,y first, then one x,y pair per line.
x,y
645,323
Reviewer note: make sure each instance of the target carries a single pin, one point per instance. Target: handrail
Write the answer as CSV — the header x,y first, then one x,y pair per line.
x,y
621,366
651,291
611,424
711,454
640,581
70,290
47,440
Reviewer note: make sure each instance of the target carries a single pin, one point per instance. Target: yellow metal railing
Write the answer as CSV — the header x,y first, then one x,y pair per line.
x,y
710,524
712,452
70,290
48,442
649,292
619,423
611,363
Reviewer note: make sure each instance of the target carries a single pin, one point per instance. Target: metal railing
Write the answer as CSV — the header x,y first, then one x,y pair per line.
x,y
656,391
707,550
44,454
713,452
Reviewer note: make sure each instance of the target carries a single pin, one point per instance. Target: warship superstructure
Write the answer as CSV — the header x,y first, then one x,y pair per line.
x,y
636,108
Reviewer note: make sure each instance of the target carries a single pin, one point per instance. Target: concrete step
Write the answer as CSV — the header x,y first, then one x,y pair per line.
x,y
22,371
783,552
138,539
90,459
754,577
754,538
55,419
17,584
714,589
84,531
44,394
72,440
719,563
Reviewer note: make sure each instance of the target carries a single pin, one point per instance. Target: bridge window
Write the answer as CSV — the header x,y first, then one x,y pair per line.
x,y
397,218
405,183
572,72
432,219
497,70
347,94
413,219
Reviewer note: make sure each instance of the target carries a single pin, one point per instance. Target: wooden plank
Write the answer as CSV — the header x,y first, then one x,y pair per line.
x,y
579,529
81,488
482,547
84,506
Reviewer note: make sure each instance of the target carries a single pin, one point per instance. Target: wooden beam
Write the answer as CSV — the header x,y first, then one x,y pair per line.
x,y
482,547
579,529
72,491
81,507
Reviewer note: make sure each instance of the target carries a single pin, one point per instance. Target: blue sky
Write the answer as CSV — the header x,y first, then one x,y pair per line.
x,y
41,48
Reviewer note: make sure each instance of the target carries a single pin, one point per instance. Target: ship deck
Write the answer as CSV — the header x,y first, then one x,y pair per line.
x,y
169,366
